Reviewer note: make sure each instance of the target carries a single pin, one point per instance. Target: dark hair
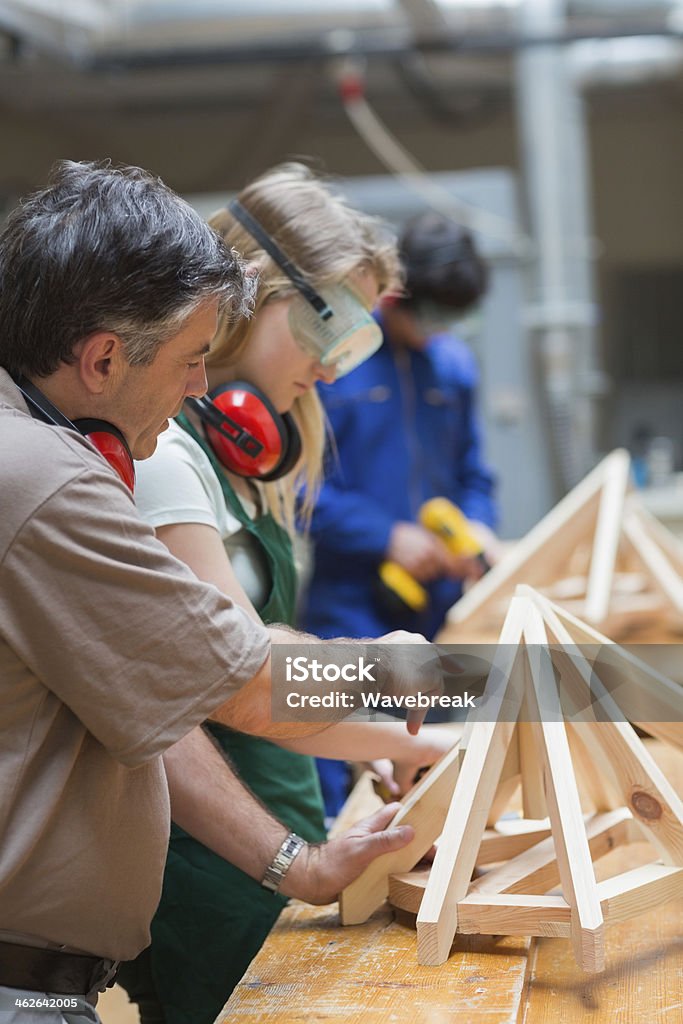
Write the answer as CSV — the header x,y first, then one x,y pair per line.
x,y
441,262
106,248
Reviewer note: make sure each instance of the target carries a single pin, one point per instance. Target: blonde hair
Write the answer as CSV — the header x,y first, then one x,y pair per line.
x,y
327,240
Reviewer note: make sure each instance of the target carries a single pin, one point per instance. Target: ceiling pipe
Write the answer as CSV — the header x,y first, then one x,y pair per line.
x,y
363,45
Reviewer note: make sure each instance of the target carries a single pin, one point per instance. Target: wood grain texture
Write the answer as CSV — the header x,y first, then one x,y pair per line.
x,y
425,808
311,970
574,862
618,752
606,538
544,554
487,744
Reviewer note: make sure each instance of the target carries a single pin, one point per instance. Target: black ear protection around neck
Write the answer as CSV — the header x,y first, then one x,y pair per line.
x,y
108,439
246,432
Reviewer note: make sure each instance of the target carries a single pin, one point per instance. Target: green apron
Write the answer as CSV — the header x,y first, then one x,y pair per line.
x,y
213,918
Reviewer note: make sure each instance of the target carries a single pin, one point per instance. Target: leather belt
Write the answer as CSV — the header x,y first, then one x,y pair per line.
x,y
50,970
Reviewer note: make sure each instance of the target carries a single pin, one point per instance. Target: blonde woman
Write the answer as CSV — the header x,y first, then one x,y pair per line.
x,y
221,492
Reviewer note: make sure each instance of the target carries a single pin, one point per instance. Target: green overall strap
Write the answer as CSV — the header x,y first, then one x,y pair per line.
x,y
213,918
273,539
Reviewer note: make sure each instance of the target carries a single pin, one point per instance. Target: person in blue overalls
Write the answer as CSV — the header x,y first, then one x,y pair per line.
x,y
406,429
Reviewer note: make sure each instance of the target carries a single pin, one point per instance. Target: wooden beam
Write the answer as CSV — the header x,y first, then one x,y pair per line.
x,y
533,791
597,788
504,914
489,913
536,870
664,577
579,887
606,537
507,784
646,697
544,553
425,808
502,843
622,897
487,745
664,538
617,751
638,891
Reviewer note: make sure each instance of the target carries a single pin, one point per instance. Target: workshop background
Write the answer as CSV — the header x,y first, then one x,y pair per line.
x,y
557,123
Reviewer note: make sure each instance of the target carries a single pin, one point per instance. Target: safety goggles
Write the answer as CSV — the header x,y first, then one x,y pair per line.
x,y
342,338
332,324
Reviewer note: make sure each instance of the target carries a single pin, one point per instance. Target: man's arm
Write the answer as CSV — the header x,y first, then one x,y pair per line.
x,y
212,805
408,665
249,709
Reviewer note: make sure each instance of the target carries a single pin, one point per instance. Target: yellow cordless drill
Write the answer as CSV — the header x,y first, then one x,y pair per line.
x,y
445,520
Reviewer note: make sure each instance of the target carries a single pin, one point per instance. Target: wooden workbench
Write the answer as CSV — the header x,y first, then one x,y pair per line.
x,y
311,969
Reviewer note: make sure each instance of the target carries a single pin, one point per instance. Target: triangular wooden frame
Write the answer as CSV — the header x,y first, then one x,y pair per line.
x,y
523,729
603,515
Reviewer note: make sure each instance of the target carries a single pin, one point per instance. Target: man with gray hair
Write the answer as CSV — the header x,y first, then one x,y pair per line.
x,y
110,288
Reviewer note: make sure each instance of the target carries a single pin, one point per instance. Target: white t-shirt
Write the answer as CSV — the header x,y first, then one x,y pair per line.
x,y
179,485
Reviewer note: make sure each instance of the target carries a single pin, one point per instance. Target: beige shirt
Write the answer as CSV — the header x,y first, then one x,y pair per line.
x,y
110,651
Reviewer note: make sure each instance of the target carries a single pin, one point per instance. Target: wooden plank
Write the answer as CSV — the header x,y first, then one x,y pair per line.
x,y
487,745
643,983
533,792
503,842
536,870
619,753
362,801
579,887
507,784
543,553
425,808
597,788
606,537
622,898
639,890
311,970
489,913
664,538
504,914
663,575
649,699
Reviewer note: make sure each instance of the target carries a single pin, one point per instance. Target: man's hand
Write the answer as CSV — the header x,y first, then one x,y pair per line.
x,y
411,665
319,873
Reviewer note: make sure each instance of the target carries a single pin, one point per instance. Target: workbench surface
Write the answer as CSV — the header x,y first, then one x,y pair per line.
x,y
311,969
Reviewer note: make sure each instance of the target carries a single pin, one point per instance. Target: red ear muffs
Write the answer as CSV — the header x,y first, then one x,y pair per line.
x,y
247,434
108,439
111,445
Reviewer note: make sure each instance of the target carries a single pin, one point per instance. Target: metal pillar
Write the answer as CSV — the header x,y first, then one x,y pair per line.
x,y
552,130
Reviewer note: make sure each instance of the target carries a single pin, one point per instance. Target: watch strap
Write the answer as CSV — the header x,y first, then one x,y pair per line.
x,y
282,861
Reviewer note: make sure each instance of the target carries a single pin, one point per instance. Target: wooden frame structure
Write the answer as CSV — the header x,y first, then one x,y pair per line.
x,y
599,553
546,721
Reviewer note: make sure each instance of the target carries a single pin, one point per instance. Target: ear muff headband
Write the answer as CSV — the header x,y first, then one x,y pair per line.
x,y
260,235
247,434
111,444
108,439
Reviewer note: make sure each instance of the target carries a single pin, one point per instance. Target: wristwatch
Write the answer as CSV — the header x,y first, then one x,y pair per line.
x,y
282,861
